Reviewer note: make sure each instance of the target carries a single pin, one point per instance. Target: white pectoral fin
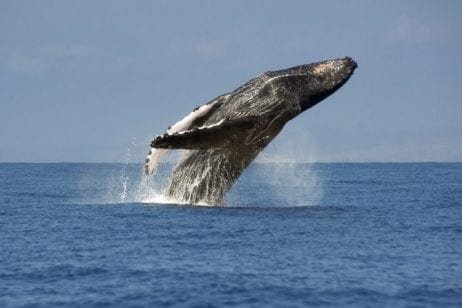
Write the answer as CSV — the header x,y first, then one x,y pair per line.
x,y
198,115
216,135
153,160
193,119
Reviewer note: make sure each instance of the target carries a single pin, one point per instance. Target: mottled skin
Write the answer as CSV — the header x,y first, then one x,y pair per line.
x,y
250,117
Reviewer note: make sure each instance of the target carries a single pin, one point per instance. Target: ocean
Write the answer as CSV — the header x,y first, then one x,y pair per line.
x,y
288,235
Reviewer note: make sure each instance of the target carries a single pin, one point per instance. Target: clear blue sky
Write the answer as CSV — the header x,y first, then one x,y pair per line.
x,y
92,80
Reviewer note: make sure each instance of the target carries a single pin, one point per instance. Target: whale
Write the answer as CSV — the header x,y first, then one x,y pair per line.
x,y
223,136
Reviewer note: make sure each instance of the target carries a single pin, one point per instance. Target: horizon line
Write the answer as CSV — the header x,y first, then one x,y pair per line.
x,y
255,162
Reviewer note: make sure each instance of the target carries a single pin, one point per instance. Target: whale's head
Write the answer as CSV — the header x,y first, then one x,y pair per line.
x,y
311,83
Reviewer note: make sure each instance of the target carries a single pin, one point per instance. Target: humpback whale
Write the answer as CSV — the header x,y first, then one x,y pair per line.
x,y
224,135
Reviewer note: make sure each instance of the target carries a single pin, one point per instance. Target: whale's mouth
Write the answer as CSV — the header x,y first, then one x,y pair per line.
x,y
324,78
329,66
352,63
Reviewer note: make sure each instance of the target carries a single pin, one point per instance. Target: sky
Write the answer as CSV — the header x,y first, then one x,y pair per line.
x,y
95,81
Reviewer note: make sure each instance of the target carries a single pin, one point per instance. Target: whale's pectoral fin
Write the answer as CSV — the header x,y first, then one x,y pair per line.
x,y
217,135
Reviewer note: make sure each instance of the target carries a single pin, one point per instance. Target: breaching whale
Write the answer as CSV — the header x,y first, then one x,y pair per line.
x,y
225,135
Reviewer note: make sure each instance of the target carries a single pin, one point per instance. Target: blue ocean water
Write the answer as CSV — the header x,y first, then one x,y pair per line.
x,y
290,235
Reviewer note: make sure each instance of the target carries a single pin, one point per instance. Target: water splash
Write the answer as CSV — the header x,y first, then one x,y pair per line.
x,y
123,195
132,185
286,174
295,176
278,184
295,184
284,180
149,190
124,178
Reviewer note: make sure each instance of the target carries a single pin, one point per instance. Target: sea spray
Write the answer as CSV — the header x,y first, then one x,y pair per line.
x,y
287,182
150,188
124,181
286,172
294,184
277,185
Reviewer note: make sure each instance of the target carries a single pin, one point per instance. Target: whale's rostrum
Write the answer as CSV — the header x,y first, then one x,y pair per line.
x,y
226,134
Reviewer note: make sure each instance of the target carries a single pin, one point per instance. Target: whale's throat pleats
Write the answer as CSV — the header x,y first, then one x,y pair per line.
x,y
204,176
